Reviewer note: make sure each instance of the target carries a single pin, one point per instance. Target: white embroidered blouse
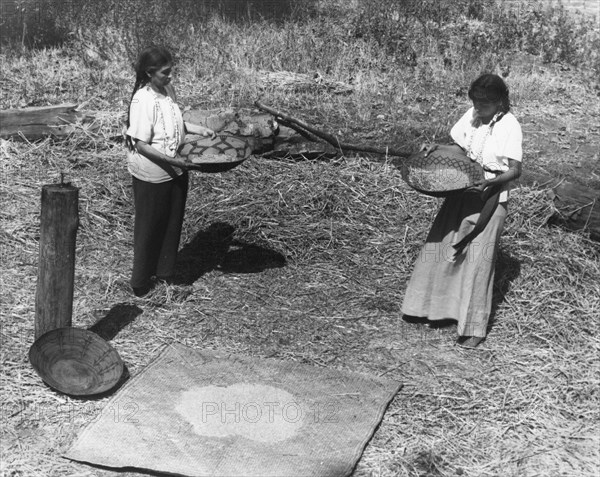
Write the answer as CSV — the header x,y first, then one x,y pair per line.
x,y
156,120
491,145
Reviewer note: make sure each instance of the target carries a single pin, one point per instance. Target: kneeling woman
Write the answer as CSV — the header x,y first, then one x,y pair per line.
x,y
450,284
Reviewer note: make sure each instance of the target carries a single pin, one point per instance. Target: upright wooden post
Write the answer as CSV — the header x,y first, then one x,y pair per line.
x,y
56,268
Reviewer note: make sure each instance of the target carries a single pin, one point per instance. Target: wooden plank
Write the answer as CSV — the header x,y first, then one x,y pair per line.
x,y
38,115
38,122
34,132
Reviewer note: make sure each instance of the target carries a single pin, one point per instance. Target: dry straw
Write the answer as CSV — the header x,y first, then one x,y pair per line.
x,y
308,261
346,233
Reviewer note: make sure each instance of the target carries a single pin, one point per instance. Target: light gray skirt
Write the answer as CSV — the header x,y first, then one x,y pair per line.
x,y
442,287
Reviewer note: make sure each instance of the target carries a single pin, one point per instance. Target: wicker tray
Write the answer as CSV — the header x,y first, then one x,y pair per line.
x,y
445,171
220,154
76,361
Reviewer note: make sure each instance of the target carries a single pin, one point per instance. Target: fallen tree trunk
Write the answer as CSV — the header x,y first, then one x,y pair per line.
x,y
577,207
301,126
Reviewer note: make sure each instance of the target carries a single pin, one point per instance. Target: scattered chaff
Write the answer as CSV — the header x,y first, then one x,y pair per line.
x,y
348,232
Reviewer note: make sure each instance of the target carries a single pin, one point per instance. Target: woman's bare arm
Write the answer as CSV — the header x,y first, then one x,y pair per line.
x,y
160,159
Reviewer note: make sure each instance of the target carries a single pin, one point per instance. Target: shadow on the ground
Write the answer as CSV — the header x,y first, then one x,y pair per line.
x,y
117,318
214,248
508,269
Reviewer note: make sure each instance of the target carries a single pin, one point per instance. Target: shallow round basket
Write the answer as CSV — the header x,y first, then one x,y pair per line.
x,y
214,155
76,361
445,171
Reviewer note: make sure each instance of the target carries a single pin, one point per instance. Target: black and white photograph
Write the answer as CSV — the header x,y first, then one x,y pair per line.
x,y
300,238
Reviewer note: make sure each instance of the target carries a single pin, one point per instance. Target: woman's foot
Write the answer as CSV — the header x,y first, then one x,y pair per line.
x,y
142,291
469,341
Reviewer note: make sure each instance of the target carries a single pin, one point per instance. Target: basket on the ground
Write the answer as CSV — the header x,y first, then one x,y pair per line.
x,y
214,155
76,361
444,171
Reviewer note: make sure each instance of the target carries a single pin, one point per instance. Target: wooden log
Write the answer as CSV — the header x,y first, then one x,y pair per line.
x,y
56,268
39,122
577,207
301,126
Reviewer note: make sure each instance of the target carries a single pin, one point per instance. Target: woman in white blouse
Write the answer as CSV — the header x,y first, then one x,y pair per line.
x,y
456,282
155,130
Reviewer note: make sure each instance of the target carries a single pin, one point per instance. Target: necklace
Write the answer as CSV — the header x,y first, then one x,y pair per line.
x,y
170,147
478,137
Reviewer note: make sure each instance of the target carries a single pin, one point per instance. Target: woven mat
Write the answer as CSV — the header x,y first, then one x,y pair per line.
x,y
200,413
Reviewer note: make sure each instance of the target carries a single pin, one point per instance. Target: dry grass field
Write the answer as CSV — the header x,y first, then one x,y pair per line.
x,y
589,7
308,260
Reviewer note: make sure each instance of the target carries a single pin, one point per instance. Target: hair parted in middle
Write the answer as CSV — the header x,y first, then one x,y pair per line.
x,y
149,60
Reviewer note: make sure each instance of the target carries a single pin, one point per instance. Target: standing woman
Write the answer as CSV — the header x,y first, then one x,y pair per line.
x,y
155,130
454,274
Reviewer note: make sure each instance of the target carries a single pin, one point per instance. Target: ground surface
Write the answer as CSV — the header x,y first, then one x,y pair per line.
x,y
308,261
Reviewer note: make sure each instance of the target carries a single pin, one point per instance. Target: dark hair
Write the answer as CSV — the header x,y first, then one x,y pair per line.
x,y
149,60
492,88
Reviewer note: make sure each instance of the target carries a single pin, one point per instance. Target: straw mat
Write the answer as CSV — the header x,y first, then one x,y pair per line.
x,y
205,413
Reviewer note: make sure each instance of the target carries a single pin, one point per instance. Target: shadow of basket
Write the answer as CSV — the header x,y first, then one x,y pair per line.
x,y
117,318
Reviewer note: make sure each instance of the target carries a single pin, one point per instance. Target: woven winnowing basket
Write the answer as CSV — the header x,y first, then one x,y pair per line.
x,y
445,171
215,154
76,361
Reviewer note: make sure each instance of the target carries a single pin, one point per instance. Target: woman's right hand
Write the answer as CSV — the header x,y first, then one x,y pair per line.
x,y
179,161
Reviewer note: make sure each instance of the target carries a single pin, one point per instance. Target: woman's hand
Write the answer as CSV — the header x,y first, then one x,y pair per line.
x,y
179,161
160,159
428,148
208,132
200,130
478,187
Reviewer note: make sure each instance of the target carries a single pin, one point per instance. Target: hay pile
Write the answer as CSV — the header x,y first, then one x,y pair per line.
x,y
308,261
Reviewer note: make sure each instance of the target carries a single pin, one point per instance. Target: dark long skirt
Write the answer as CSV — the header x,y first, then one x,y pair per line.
x,y
442,287
159,211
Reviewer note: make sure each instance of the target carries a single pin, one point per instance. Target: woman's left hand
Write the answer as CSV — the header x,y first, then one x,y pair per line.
x,y
478,187
200,130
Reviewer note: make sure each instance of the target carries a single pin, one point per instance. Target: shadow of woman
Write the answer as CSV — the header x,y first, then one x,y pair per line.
x,y
507,269
214,248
